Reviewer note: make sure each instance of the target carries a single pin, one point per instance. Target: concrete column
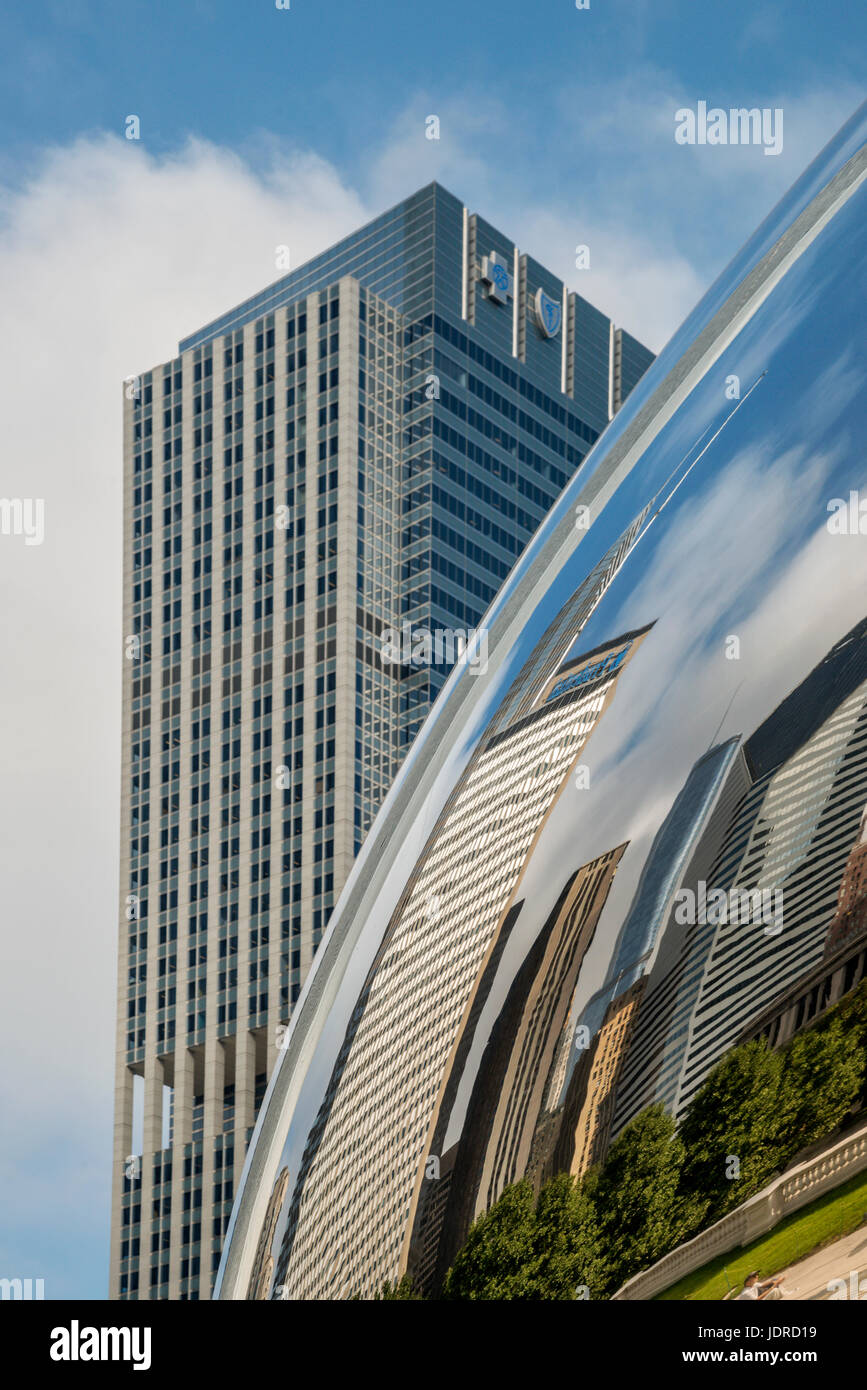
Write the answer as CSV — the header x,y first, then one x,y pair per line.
x,y
182,1133
151,1146
312,533
213,1124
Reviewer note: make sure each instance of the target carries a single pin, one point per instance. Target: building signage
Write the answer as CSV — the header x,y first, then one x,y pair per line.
x,y
548,314
496,278
599,670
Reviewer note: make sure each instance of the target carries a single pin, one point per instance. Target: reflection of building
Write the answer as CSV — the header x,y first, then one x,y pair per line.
x,y
811,995
793,804
851,917
585,1111
540,1000
501,1119
658,1041
364,1167
843,964
588,1106
661,876
429,1226
263,1265
366,444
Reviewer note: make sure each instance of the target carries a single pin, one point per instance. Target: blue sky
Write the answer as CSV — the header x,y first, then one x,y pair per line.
x,y
543,106
261,127
226,70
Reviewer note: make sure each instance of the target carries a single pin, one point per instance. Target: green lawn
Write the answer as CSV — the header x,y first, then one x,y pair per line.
x,y
825,1220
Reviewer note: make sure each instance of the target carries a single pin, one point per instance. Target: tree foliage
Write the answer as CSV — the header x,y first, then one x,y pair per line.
x,y
641,1211
401,1289
823,1071
735,1116
524,1249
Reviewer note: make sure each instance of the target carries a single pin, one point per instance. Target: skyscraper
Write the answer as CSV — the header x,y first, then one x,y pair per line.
x,y
500,1139
843,965
371,1149
352,458
575,1125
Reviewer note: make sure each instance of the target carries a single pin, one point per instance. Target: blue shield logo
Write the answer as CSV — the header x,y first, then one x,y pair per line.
x,y
548,314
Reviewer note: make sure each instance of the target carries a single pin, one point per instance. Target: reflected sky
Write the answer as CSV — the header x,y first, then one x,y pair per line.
x,y
743,550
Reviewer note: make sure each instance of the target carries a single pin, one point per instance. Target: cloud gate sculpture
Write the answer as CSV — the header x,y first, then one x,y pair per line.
x,y
616,848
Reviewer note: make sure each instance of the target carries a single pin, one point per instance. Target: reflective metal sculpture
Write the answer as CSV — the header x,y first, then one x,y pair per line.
x,y
619,849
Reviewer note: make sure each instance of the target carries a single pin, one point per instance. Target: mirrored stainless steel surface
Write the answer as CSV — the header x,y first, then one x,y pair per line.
x,y
649,672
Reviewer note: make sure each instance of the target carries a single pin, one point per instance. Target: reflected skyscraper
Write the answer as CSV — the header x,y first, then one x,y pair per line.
x,y
582,1109
503,1136
850,919
660,880
843,965
364,1168
800,785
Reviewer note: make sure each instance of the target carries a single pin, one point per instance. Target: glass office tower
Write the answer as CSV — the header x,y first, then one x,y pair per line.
x,y
323,492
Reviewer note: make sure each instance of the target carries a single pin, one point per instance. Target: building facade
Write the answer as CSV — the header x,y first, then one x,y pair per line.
x,y
500,1136
588,1107
841,969
361,1179
323,492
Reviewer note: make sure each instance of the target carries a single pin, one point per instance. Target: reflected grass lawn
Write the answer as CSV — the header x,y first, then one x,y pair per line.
x,y
831,1216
